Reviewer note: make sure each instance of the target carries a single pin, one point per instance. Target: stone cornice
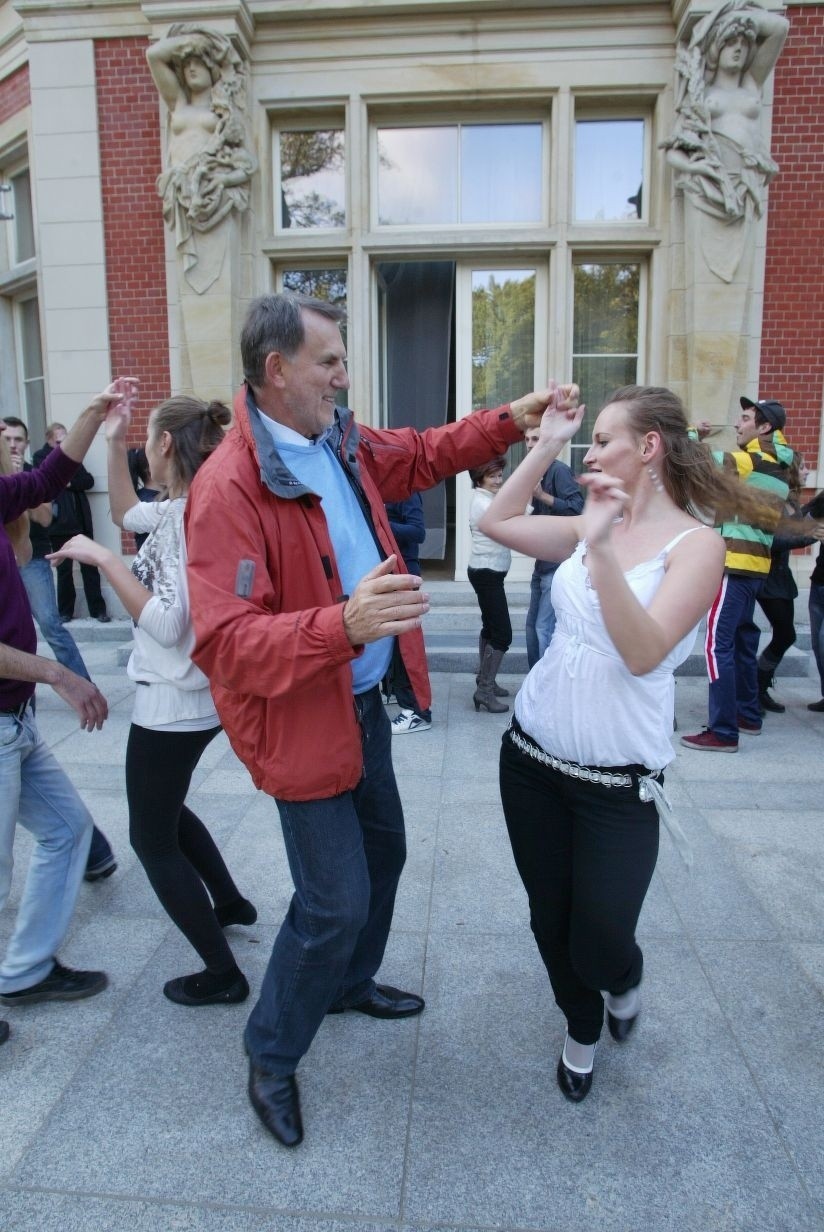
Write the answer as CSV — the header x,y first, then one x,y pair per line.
x,y
53,20
230,17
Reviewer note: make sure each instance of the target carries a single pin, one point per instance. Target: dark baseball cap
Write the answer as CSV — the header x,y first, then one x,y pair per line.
x,y
773,412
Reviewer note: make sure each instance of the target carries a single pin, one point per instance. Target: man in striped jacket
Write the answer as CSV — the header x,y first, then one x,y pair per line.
x,y
762,459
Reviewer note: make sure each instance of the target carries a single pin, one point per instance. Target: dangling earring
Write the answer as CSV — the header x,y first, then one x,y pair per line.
x,y
655,478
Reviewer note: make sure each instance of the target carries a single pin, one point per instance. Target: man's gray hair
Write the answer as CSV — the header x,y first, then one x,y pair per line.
x,y
275,323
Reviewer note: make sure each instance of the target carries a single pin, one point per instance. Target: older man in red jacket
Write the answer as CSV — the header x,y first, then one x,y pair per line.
x,y
297,596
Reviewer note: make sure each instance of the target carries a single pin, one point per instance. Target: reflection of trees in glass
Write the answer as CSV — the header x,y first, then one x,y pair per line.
x,y
503,337
328,284
606,309
605,338
303,155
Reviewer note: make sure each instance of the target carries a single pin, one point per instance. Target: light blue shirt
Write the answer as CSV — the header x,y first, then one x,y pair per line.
x,y
315,465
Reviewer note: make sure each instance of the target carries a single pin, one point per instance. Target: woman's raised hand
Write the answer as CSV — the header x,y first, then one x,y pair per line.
x,y
562,417
605,502
122,395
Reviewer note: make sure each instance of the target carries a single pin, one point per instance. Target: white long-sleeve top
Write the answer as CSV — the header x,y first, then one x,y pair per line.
x,y
171,690
485,553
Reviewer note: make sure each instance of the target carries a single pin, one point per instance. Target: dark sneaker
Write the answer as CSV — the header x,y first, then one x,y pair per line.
x,y
706,741
4,1030
816,707
104,868
61,984
748,727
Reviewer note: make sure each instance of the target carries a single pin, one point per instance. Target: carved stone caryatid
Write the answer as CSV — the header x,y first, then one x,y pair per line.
x,y
717,146
722,166
202,80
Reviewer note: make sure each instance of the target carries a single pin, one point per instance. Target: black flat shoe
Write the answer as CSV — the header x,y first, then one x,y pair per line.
x,y
574,1087
385,1002
620,1028
4,1031
185,991
818,707
277,1102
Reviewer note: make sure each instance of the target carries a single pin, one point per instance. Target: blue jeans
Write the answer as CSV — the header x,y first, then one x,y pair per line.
x,y
35,791
817,628
345,854
731,649
38,580
39,583
540,619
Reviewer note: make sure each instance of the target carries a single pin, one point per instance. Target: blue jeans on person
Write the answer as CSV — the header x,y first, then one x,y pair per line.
x,y
817,628
732,656
38,580
35,791
345,854
39,583
540,618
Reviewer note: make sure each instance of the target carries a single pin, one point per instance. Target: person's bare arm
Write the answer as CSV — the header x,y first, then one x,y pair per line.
x,y
83,696
122,495
132,594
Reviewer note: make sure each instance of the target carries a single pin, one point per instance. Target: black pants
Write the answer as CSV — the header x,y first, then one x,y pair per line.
x,y
178,853
496,627
586,855
397,682
781,615
66,593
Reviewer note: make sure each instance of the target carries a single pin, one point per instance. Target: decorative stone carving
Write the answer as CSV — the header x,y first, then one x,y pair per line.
x,y
717,146
202,80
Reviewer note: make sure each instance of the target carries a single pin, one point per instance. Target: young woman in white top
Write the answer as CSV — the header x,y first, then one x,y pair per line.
x,y
174,717
593,719
487,569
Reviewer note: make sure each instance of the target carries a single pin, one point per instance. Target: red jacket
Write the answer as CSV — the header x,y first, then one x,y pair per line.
x,y
269,633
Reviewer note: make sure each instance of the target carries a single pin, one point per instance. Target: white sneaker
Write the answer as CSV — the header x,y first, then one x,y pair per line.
x,y
408,721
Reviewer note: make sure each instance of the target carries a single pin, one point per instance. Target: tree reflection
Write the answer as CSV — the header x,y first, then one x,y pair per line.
x,y
309,162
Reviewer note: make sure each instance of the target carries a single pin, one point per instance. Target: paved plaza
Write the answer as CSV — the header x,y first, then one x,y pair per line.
x,y
126,1113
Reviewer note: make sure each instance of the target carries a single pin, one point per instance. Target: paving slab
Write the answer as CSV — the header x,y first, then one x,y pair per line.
x,y
126,1113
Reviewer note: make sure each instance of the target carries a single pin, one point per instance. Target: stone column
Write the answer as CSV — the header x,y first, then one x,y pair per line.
x,y
205,189
719,152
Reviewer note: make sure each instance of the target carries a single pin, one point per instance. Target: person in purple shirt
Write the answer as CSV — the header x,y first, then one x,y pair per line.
x,y
34,790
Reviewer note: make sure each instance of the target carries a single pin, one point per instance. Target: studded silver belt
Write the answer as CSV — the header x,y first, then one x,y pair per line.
x,y
586,774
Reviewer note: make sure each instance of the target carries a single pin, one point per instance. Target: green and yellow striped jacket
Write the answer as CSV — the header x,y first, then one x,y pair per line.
x,y
748,548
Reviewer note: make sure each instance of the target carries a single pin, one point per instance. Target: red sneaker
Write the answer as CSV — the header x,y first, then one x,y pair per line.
x,y
748,727
706,741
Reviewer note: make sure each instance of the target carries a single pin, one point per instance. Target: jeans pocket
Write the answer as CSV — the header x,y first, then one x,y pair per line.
x,y
9,731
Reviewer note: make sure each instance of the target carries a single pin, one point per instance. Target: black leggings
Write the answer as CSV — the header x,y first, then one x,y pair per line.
x,y
173,845
781,615
496,627
586,855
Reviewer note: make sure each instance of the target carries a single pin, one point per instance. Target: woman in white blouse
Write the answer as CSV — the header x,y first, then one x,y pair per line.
x,y
174,717
581,762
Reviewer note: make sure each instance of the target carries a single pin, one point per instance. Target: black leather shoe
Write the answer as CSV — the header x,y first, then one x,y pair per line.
x,y
385,1002
276,1101
574,1087
768,702
620,1028
817,707
104,618
4,1030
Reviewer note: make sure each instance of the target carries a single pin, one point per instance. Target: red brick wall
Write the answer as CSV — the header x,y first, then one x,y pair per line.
x,y
129,124
792,350
14,93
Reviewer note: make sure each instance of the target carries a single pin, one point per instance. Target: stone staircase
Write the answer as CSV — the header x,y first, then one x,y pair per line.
x,y
452,625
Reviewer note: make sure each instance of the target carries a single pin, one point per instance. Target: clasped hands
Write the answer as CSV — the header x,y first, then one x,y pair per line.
x,y
384,604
